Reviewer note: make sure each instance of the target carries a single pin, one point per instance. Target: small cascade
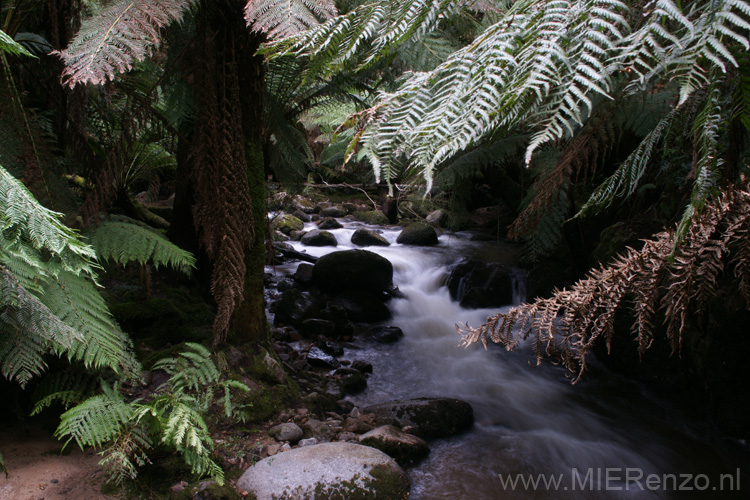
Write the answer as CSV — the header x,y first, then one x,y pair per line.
x,y
519,280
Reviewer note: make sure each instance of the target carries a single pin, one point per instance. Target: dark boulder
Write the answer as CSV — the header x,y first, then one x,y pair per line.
x,y
318,238
293,307
353,269
361,305
365,238
404,448
477,284
333,212
429,417
329,223
385,334
312,328
316,357
418,234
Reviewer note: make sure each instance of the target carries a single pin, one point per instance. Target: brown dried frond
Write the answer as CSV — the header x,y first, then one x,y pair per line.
x,y
569,323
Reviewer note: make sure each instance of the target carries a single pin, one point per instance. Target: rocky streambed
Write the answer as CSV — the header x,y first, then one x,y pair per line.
x,y
369,334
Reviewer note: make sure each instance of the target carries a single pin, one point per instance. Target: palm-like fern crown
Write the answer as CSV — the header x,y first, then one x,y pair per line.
x,y
541,68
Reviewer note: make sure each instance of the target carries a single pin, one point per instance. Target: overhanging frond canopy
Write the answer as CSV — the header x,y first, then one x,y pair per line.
x,y
282,18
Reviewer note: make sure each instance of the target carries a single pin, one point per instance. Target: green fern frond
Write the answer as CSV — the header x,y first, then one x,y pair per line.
x,y
110,42
76,301
66,388
23,221
123,240
98,420
191,370
625,180
10,46
30,330
282,18
364,35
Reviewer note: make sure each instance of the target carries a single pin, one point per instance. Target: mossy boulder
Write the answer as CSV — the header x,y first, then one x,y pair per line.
x,y
318,238
428,417
353,269
365,238
418,234
328,471
373,217
286,223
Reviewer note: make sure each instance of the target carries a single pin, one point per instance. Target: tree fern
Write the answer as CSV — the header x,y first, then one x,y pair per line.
x,y
122,240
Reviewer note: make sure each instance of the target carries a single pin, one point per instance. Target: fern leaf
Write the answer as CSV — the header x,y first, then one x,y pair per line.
x,y
66,388
76,301
10,46
110,42
98,420
30,330
24,221
122,240
282,18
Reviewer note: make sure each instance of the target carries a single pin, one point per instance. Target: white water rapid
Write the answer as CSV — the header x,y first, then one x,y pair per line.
x,y
601,438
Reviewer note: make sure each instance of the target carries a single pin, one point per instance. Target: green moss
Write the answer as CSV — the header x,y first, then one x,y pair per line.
x,y
209,489
287,223
267,401
383,483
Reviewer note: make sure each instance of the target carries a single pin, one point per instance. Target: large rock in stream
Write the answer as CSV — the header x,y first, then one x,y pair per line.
x,y
353,269
418,234
477,284
427,417
325,472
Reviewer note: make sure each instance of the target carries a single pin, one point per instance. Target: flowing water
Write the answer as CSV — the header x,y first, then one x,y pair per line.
x,y
601,438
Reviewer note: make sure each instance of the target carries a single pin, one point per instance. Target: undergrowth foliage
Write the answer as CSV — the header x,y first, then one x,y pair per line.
x,y
173,416
680,282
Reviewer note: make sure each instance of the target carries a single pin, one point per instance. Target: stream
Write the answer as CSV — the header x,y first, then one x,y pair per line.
x,y
605,437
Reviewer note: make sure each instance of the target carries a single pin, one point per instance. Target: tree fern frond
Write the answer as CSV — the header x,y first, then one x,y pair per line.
x,y
366,34
110,42
282,18
76,301
569,323
66,388
24,221
122,240
30,330
98,420
625,180
10,46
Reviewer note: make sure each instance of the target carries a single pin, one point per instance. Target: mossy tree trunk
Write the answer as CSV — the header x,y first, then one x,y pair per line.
x,y
222,187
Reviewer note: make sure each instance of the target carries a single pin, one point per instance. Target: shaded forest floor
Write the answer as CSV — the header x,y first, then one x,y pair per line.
x,y
38,470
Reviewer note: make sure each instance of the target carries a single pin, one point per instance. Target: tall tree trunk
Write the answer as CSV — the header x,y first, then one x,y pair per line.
x,y
227,170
